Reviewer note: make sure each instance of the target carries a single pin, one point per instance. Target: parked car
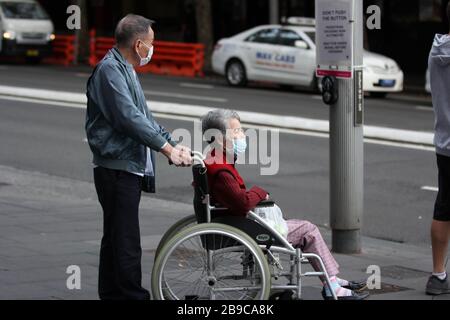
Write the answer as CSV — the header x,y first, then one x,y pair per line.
x,y
25,29
286,55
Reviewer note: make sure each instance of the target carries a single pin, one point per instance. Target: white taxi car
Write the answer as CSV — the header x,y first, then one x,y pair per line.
x,y
286,55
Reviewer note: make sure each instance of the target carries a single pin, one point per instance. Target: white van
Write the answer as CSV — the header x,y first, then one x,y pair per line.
x,y
25,29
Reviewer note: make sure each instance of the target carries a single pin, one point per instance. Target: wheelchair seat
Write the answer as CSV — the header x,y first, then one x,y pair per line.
x,y
258,232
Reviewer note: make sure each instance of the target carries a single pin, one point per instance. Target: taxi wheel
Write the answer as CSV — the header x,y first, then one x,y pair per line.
x,y
236,75
316,85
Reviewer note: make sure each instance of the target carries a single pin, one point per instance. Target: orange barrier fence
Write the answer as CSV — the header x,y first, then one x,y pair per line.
x,y
63,48
170,58
99,46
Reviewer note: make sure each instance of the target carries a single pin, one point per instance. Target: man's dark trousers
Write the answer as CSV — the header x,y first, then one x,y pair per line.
x,y
120,275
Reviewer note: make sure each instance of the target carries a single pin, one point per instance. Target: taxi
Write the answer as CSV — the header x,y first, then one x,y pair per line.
x,y
286,54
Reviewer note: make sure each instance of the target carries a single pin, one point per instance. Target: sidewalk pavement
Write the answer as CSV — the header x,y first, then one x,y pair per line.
x,y
48,223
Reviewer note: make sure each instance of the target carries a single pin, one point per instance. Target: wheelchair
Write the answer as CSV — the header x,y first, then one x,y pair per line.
x,y
213,255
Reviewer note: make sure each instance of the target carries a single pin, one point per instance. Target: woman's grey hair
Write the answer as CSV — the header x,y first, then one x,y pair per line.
x,y
217,120
130,28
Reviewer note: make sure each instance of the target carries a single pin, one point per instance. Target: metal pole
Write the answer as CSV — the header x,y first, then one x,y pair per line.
x,y
274,12
347,151
76,45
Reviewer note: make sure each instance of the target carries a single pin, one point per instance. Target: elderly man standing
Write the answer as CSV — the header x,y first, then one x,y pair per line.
x,y
123,136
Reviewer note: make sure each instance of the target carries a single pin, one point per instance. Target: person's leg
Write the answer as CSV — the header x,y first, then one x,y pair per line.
x,y
105,186
126,236
440,229
440,234
305,235
438,283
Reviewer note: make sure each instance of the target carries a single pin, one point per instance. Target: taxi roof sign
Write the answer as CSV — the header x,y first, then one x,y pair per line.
x,y
299,21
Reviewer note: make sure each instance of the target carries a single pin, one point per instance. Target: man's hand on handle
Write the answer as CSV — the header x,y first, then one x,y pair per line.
x,y
178,155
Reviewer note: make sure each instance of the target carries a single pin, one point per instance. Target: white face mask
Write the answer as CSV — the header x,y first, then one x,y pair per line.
x,y
239,146
147,59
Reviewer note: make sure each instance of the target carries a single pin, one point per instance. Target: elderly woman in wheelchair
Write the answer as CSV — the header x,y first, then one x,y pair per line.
x,y
230,249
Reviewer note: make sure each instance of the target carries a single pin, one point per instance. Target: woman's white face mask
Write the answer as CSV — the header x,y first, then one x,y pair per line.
x,y
239,146
147,59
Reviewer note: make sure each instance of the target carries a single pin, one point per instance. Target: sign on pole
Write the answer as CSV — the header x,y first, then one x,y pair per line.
x,y
334,38
359,98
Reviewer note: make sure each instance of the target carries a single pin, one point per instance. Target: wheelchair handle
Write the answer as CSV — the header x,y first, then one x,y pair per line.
x,y
197,156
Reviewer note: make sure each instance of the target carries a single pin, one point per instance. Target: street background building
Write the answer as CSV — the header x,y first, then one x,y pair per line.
x,y
407,26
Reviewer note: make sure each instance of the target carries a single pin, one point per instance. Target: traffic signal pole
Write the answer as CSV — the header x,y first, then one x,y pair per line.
x,y
346,136
274,12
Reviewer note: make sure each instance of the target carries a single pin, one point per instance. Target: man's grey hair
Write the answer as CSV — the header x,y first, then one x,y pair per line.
x,y
218,120
130,28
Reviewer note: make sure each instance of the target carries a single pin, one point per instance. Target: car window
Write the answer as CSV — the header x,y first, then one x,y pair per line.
x,y
23,10
311,35
288,38
264,36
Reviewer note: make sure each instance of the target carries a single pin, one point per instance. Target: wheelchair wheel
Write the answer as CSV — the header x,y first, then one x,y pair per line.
x,y
174,229
211,262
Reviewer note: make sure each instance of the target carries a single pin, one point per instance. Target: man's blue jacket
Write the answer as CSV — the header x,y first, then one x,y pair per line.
x,y
119,125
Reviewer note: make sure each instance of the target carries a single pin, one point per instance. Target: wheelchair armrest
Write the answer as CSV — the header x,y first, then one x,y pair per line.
x,y
266,203
218,208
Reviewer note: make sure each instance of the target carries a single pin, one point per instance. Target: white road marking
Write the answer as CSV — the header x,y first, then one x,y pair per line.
x,y
191,118
304,133
196,85
286,124
184,96
82,75
424,108
428,188
400,145
44,102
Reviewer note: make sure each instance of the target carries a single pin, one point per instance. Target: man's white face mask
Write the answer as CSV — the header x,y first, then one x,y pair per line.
x,y
147,59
